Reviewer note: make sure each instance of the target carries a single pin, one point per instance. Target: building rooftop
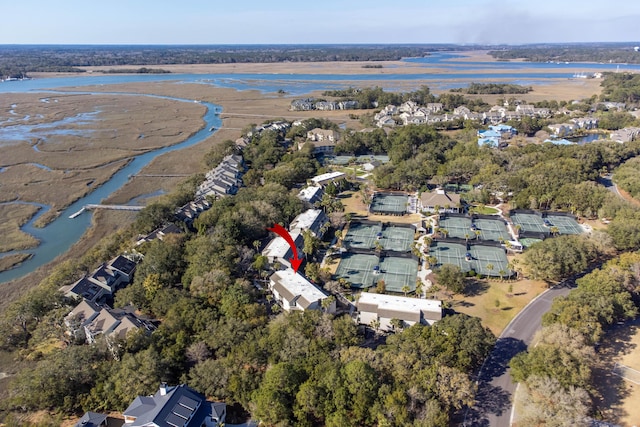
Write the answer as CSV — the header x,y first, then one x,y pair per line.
x,y
432,309
311,219
123,264
296,288
178,406
311,194
327,176
279,248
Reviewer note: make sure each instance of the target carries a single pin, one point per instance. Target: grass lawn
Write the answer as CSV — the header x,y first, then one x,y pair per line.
x,y
484,210
482,297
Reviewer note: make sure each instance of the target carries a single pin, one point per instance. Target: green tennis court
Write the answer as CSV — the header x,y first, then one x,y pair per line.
x,y
565,224
397,239
457,226
362,235
389,204
450,253
399,272
492,229
489,261
357,269
529,222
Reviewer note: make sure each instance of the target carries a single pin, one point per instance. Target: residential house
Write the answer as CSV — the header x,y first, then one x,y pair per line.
x,y
625,135
526,110
311,194
306,104
512,115
434,107
102,282
177,406
586,123
446,202
124,267
408,106
326,105
115,323
326,178
506,131
493,117
561,130
159,233
92,419
278,249
461,111
348,105
295,292
318,134
382,309
313,220
542,112
385,121
82,314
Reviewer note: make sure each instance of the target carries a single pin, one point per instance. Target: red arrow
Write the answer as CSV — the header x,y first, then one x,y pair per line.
x,y
281,231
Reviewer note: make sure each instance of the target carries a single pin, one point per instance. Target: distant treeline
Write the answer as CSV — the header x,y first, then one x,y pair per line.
x,y
493,89
615,53
16,59
142,70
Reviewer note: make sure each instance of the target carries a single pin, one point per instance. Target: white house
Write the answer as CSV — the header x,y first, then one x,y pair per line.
x,y
278,250
326,178
311,194
295,292
384,308
312,220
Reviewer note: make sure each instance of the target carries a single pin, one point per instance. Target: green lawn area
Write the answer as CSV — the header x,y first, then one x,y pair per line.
x,y
483,210
482,303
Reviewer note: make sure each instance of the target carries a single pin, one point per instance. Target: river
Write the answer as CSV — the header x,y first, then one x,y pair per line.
x,y
58,236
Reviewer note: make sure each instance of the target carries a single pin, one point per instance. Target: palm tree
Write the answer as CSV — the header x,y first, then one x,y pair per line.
x,y
444,232
490,267
518,228
502,273
466,237
554,230
256,245
405,290
477,233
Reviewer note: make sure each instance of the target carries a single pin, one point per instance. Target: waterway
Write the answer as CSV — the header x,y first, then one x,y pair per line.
x,y
58,236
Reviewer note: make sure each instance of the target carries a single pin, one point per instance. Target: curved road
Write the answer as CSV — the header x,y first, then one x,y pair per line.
x,y
493,404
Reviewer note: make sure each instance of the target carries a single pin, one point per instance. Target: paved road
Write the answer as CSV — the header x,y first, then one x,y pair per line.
x,y
495,388
608,183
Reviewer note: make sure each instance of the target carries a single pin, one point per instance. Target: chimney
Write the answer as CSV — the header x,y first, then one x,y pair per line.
x,y
163,389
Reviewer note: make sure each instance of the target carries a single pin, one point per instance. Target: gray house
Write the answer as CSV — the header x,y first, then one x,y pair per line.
x,y
178,406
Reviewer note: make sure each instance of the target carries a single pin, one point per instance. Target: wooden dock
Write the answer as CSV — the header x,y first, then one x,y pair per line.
x,y
111,207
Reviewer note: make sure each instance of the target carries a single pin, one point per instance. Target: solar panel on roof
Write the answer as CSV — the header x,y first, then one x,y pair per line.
x,y
182,411
188,402
174,420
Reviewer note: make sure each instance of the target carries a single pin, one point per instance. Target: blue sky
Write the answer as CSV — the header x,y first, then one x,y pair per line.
x,y
323,21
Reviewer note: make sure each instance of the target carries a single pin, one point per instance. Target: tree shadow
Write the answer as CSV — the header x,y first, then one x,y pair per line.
x,y
506,308
464,304
490,400
475,288
498,361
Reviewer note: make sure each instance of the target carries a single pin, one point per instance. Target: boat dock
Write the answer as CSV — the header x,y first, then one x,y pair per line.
x,y
112,207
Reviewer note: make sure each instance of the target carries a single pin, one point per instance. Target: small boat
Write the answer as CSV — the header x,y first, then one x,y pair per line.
x,y
211,129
